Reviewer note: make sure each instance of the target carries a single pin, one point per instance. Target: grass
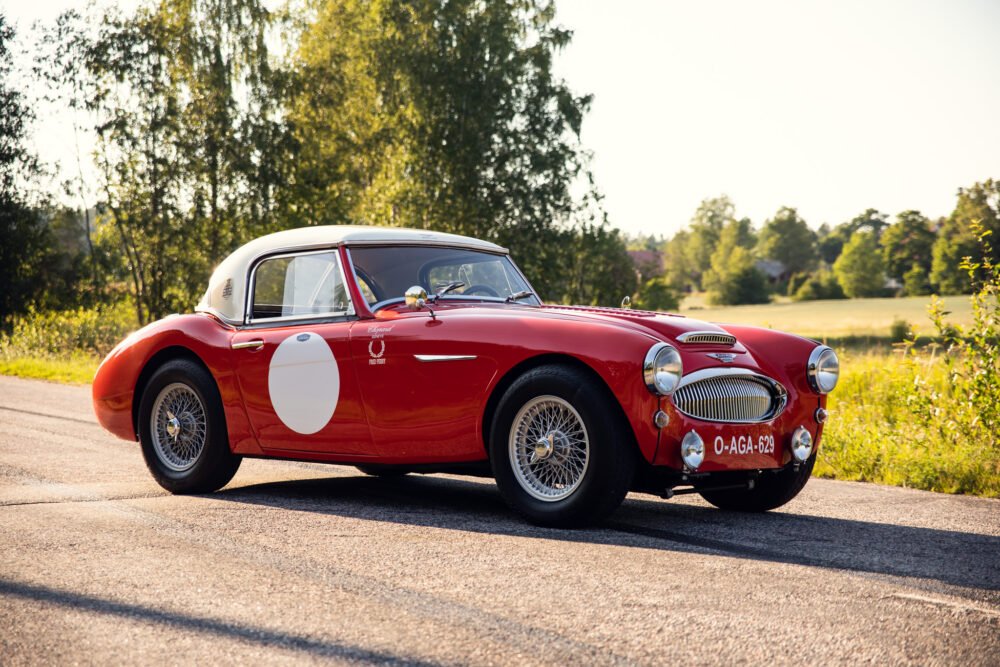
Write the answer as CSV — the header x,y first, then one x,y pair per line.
x,y
842,319
74,369
64,346
878,432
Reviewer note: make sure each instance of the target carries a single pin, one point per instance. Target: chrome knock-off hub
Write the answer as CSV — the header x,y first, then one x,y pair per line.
x,y
546,445
173,427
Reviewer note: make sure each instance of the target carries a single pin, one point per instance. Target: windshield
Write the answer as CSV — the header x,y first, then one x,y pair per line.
x,y
386,273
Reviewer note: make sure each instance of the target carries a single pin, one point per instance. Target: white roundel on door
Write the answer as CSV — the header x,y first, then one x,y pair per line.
x,y
304,382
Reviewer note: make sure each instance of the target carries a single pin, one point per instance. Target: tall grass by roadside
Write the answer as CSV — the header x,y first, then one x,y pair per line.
x,y
930,420
896,418
64,346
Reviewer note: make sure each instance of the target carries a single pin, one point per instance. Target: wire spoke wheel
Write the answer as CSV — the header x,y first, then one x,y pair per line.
x,y
178,426
549,448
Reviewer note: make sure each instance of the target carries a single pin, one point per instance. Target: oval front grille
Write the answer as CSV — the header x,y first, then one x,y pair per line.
x,y
733,398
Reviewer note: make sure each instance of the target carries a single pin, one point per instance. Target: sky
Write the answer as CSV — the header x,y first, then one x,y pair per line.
x,y
829,107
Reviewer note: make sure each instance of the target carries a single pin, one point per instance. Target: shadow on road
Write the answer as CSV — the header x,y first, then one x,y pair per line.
x,y
951,557
202,625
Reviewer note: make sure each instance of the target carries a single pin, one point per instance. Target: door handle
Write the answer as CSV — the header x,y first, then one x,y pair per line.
x,y
248,345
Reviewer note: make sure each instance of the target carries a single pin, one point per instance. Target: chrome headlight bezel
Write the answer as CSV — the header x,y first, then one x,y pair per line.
x,y
823,375
662,369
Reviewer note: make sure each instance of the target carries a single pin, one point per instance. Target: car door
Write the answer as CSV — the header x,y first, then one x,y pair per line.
x,y
293,357
424,383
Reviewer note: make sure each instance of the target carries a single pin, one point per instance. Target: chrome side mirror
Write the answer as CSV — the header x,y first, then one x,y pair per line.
x,y
416,299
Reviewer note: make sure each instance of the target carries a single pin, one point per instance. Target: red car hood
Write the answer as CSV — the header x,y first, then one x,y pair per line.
x,y
660,325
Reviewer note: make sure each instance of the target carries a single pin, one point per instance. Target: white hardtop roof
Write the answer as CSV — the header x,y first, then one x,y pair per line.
x,y
226,293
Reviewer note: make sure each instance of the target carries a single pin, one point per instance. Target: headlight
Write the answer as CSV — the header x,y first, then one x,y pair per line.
x,y
662,369
824,369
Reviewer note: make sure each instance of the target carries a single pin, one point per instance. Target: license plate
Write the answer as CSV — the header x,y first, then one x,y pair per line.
x,y
743,445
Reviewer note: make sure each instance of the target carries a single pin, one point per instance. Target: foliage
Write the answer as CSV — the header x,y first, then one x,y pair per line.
x,y
822,284
712,216
830,241
871,220
957,238
787,238
916,282
733,277
972,359
596,268
181,98
676,268
448,116
859,267
657,294
900,331
880,430
24,239
935,419
906,244
63,334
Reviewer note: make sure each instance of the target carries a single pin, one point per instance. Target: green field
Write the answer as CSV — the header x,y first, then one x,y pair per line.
x,y
844,318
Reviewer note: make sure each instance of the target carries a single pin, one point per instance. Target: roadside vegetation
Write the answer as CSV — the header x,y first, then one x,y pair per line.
x,y
897,418
64,346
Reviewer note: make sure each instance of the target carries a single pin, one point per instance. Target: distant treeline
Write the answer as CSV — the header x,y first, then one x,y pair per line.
x,y
867,256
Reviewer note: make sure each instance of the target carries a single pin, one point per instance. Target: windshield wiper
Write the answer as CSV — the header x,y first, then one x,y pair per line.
x,y
447,288
517,296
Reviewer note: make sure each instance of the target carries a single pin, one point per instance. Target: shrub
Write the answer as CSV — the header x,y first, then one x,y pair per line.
x,y
90,331
657,294
820,285
900,331
915,282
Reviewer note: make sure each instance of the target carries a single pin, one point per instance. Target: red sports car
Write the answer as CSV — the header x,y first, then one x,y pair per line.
x,y
398,350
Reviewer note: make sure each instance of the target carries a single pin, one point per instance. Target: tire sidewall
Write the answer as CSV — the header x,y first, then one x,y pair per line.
x,y
216,439
771,492
607,455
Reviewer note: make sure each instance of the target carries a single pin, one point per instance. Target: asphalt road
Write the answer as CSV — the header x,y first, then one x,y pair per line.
x,y
302,563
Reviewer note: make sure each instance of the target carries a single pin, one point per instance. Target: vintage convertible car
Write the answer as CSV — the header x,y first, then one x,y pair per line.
x,y
398,350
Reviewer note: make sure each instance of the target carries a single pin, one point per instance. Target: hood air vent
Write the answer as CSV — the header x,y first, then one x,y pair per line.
x,y
710,337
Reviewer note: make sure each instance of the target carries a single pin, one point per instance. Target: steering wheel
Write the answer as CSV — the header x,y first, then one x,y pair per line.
x,y
486,289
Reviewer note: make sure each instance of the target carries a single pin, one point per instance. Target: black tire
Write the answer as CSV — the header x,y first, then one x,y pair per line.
x,y
610,465
771,490
382,471
212,465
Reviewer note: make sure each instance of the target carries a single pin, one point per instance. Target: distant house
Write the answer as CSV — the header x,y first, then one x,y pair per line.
x,y
648,263
773,269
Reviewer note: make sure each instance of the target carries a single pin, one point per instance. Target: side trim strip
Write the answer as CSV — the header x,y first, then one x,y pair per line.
x,y
248,345
444,357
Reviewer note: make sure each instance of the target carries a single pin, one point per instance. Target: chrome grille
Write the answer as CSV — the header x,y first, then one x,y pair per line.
x,y
731,398
707,337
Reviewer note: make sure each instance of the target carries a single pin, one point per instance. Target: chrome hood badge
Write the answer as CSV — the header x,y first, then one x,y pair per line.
x,y
724,357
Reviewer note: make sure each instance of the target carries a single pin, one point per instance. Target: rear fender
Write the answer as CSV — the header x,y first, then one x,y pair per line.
x,y
121,377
